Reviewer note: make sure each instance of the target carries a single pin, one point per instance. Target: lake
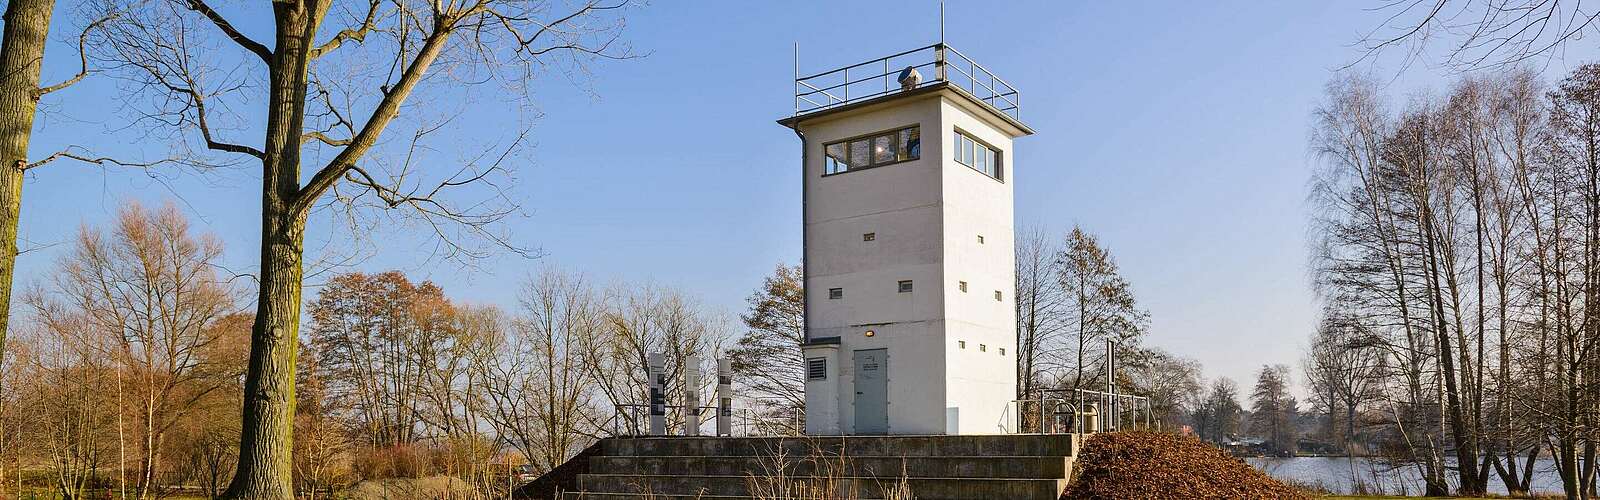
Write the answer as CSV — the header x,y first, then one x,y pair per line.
x,y
1339,474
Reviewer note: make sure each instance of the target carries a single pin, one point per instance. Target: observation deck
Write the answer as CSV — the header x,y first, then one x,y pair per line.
x,y
940,66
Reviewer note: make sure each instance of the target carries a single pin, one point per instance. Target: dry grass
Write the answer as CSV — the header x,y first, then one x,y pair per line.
x,y
833,478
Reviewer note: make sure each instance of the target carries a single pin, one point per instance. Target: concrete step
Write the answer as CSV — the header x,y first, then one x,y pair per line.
x,y
860,487
1058,445
999,467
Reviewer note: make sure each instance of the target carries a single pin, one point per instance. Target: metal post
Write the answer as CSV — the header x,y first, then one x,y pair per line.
x,y
797,78
725,397
938,50
656,364
1111,388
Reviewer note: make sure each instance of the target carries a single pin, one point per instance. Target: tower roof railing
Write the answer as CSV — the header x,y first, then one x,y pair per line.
x,y
879,77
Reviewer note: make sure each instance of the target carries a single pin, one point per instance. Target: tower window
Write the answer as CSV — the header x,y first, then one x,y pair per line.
x,y
905,286
980,239
869,236
979,156
883,148
961,343
963,286
835,293
983,347
996,295
1002,351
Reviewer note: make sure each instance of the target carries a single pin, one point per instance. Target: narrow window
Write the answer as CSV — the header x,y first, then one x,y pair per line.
x,y
869,236
905,286
979,156
1002,351
983,347
835,293
961,343
816,368
963,286
980,239
996,295
910,144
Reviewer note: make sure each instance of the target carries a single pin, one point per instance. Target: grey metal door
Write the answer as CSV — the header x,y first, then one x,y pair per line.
x,y
872,391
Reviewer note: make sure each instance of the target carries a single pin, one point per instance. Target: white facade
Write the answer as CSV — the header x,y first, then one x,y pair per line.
x,y
935,222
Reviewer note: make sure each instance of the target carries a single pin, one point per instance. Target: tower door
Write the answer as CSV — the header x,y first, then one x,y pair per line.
x,y
872,391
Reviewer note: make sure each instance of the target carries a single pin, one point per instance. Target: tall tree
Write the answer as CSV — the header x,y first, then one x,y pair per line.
x,y
1273,408
1041,304
151,288
317,100
767,356
1218,413
1100,306
22,44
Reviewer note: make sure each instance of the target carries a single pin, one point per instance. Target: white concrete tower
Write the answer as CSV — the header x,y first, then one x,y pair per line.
x,y
909,260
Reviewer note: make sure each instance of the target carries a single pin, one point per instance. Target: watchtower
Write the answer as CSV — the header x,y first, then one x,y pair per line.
x,y
909,259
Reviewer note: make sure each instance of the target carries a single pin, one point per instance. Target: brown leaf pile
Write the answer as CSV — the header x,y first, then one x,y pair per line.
x,y
1127,465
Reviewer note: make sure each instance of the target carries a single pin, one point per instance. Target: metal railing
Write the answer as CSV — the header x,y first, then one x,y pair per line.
x,y
634,420
1082,411
1044,415
878,77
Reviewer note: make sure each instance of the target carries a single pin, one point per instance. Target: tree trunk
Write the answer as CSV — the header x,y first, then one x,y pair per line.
x,y
27,24
266,463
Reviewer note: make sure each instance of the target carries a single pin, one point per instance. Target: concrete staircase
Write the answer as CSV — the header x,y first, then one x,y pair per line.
x,y
865,467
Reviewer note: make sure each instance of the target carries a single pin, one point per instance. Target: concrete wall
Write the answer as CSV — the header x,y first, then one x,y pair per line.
x,y
982,378
926,215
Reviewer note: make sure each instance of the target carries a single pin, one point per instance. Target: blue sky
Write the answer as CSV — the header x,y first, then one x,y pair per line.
x,y
1175,131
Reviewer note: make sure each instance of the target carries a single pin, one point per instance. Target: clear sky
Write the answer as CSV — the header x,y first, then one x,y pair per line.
x,y
1175,131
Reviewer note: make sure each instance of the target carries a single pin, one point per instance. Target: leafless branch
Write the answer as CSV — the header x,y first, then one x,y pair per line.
x,y
227,28
83,57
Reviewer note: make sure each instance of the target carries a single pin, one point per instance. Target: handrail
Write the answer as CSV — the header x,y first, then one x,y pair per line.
x,y
836,84
870,61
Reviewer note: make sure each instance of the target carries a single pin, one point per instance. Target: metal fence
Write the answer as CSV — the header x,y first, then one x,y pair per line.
x,y
879,77
1080,411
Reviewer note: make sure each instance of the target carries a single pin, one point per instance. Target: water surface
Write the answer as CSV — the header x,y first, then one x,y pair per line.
x,y
1342,474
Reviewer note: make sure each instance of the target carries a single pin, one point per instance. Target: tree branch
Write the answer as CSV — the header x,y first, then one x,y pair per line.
x,y
233,33
100,160
387,109
357,34
83,58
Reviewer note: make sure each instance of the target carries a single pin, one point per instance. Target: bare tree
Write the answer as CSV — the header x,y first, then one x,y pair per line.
x,y
541,400
22,43
1099,306
152,287
1041,308
1480,33
323,99
1273,408
1217,415
640,321
767,356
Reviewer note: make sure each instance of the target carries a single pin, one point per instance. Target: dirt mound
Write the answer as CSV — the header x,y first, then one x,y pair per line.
x,y
1126,465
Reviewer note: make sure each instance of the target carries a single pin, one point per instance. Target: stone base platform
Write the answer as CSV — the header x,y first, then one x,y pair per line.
x,y
1023,466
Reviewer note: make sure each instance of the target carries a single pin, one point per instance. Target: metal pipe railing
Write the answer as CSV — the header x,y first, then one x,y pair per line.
x,y
836,84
